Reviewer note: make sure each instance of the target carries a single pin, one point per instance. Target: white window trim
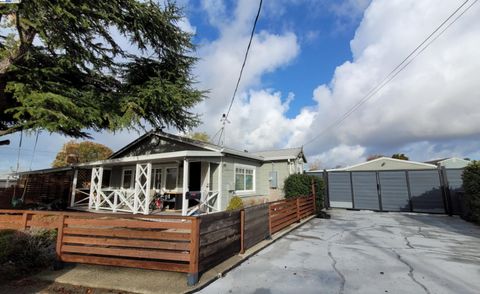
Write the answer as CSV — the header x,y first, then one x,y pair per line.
x,y
244,166
132,183
164,168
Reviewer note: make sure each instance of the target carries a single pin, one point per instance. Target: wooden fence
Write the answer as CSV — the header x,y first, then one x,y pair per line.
x,y
173,243
219,238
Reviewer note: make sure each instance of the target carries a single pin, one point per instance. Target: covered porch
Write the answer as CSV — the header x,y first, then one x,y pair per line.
x,y
187,181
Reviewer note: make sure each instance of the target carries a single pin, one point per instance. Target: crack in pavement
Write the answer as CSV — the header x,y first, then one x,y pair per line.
x,y
334,265
410,272
408,242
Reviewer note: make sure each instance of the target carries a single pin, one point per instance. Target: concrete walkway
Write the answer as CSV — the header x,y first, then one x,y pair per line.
x,y
365,252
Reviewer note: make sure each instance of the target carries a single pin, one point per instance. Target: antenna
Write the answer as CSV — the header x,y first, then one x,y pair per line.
x,y
221,139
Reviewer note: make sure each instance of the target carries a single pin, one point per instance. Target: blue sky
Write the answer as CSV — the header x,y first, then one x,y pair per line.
x,y
310,61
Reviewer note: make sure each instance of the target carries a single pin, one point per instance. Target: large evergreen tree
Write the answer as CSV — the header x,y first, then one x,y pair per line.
x,y
62,69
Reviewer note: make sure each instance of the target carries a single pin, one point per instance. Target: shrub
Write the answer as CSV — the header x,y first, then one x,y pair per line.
x,y
471,184
235,203
301,185
22,253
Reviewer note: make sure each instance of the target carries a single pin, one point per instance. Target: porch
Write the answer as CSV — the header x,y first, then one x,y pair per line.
x,y
187,181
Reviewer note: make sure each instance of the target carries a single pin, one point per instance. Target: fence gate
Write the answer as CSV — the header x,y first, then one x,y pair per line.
x,y
365,190
394,191
340,189
430,191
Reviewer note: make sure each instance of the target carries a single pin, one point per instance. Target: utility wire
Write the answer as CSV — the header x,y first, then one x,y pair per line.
x,y
224,119
399,68
245,58
34,149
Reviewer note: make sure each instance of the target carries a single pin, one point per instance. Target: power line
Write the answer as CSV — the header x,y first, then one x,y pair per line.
x,y
399,68
224,118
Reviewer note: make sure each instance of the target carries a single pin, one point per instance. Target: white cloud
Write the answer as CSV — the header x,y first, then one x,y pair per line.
x,y
436,99
253,111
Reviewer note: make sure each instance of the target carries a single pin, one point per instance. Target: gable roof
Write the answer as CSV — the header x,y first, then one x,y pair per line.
x,y
386,163
281,154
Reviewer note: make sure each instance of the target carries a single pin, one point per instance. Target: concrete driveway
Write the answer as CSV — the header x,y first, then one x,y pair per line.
x,y
365,252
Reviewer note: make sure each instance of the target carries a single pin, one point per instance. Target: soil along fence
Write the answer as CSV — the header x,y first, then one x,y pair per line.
x,y
189,245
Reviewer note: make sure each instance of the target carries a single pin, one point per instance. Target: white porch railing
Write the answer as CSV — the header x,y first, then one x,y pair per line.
x,y
116,200
205,204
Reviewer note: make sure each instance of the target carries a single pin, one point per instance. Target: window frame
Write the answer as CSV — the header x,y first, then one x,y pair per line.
x,y
132,182
163,185
245,168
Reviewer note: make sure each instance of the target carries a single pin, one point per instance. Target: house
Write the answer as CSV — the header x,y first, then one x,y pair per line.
x,y
184,172
386,163
452,162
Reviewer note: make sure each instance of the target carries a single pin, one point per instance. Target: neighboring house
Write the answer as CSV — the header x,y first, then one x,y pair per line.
x,y
453,162
385,163
163,163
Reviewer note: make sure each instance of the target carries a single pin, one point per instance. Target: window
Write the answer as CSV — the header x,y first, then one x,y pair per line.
x,y
244,178
156,178
106,178
127,179
171,178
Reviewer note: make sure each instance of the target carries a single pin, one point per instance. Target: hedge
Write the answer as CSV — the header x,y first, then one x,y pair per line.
x,y
471,185
301,185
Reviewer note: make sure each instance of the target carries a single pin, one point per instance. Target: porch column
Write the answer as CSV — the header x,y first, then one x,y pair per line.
x,y
74,186
220,186
95,187
185,187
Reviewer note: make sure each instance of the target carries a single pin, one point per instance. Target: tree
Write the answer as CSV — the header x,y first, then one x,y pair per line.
x,y
73,152
315,165
400,156
200,136
374,156
63,69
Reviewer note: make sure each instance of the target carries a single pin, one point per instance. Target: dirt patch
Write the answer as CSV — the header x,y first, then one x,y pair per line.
x,y
28,285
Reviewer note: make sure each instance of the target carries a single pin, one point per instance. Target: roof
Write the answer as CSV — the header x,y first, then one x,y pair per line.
x,y
281,154
157,156
386,163
46,170
436,161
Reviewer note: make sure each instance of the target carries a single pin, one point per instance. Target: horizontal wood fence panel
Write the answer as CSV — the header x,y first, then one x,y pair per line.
x,y
138,253
219,238
153,265
127,243
164,244
256,225
137,234
286,212
114,222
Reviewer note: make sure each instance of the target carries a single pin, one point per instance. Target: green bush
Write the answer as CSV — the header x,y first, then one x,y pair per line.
x,y
301,185
235,203
471,184
22,253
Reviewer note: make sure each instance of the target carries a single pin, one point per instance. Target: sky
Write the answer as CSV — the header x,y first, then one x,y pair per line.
x,y
310,62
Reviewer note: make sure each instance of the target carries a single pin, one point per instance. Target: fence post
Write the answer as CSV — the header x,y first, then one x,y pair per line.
x,y
24,220
242,231
192,276
314,197
298,209
269,222
61,223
